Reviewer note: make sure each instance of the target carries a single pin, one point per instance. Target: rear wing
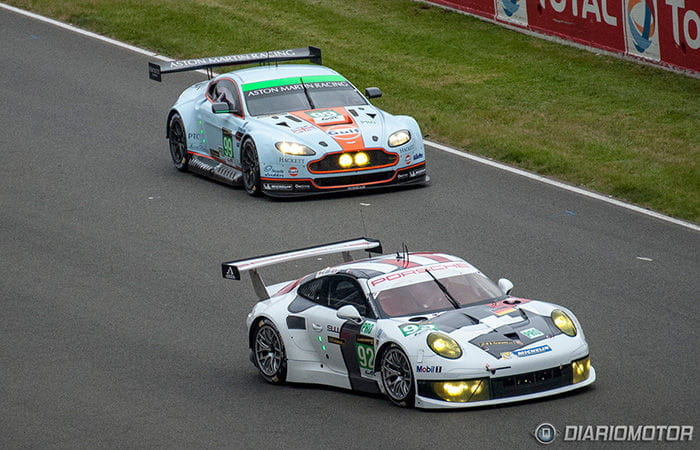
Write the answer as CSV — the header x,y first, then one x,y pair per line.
x,y
232,270
155,70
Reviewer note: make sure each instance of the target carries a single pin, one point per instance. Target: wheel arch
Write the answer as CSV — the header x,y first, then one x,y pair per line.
x,y
167,122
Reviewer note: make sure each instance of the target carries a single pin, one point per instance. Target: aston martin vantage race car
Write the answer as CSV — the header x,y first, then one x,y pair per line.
x,y
425,329
288,129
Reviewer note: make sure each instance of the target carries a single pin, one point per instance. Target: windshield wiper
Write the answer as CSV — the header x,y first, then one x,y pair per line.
x,y
445,291
311,102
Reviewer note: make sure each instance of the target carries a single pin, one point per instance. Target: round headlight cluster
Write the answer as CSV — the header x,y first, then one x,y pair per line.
x,y
444,345
346,160
563,322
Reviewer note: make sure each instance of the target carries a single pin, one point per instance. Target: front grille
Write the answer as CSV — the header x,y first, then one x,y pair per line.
x,y
377,158
355,179
529,383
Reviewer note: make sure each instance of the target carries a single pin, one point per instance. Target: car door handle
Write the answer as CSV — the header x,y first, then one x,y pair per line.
x,y
316,327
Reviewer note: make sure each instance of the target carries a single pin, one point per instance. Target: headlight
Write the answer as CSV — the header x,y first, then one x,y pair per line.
x,y
462,391
345,160
399,138
444,346
292,148
581,369
563,322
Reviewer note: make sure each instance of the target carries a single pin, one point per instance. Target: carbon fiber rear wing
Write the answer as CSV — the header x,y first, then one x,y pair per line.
x,y
232,270
155,70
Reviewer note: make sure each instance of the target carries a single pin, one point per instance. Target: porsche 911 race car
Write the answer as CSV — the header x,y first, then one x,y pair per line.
x,y
425,329
288,129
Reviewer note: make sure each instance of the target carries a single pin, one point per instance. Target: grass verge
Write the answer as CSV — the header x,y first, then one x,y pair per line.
x,y
612,126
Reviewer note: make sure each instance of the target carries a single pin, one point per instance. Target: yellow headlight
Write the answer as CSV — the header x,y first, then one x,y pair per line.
x,y
462,391
581,369
292,148
563,322
444,346
361,159
345,160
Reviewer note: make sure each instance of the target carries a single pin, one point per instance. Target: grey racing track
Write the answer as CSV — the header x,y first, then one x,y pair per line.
x,y
118,330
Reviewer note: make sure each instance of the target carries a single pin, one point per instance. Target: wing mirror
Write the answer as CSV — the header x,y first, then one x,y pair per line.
x,y
220,108
373,92
506,285
349,312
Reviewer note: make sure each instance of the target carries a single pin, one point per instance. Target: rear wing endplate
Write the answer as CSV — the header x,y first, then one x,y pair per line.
x,y
155,70
232,270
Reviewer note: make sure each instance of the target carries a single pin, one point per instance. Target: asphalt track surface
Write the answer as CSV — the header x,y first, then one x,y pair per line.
x,y
118,330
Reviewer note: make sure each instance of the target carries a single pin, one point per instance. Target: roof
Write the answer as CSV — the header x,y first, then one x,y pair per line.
x,y
273,72
384,264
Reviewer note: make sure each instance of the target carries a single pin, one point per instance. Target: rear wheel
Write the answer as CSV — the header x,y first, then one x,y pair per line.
x,y
269,354
178,143
397,377
251,168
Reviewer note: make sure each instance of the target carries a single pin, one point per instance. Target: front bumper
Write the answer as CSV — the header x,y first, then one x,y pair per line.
x,y
293,187
506,390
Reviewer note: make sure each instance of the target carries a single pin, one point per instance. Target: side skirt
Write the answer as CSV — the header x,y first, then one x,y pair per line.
x,y
214,169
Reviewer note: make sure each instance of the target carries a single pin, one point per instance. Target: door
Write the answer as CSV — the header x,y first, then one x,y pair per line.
x,y
222,129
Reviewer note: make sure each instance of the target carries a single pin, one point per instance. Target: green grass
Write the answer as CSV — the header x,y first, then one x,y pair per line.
x,y
610,125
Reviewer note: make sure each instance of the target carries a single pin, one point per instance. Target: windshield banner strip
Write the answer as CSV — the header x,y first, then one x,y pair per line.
x,y
291,80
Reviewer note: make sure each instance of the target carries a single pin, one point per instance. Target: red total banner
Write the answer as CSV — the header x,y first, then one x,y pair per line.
x,y
664,32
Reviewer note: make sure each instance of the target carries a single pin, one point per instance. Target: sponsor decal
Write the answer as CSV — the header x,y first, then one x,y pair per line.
x,y
335,340
419,270
428,369
409,329
417,156
401,176
532,333
277,187
532,351
287,160
293,171
343,132
230,59
226,143
367,327
326,84
365,356
214,152
417,172
688,17
408,148
272,171
230,274
194,136
407,158
641,28
505,342
332,329
304,129
302,187
325,116
364,340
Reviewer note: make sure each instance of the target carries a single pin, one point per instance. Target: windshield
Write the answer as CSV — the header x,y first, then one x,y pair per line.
x,y
426,297
297,94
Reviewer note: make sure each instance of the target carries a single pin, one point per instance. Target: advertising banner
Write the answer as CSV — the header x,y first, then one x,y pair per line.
x,y
664,32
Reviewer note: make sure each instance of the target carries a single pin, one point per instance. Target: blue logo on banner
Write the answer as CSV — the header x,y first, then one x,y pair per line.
x,y
644,30
532,351
510,6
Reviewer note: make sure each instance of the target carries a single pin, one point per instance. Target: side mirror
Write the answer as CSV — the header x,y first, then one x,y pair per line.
x,y
373,92
220,108
506,285
349,312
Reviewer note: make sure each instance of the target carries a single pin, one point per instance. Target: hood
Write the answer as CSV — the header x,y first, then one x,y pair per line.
x,y
342,128
501,328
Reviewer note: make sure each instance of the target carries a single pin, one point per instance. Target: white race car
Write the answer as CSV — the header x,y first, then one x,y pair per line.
x,y
426,329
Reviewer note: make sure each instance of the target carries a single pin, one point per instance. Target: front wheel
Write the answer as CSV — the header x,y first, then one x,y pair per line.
x,y
397,377
178,143
251,168
269,354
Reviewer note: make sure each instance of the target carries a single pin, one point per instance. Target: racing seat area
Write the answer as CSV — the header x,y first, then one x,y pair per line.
x,y
224,95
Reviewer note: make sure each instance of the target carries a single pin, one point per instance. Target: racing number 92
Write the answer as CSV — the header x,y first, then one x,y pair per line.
x,y
365,356
227,143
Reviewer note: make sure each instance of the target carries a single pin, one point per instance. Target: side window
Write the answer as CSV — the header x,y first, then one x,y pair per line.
x,y
226,92
313,290
345,291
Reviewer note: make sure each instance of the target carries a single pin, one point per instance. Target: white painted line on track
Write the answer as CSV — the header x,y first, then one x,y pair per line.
x,y
434,145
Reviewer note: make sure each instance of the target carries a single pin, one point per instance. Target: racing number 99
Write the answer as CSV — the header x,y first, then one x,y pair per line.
x,y
365,356
227,144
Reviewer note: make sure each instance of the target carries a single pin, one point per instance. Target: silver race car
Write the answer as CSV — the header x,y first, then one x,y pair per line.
x,y
425,329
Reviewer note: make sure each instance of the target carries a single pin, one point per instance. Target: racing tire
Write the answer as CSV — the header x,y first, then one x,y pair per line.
x,y
269,355
178,143
250,164
397,377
